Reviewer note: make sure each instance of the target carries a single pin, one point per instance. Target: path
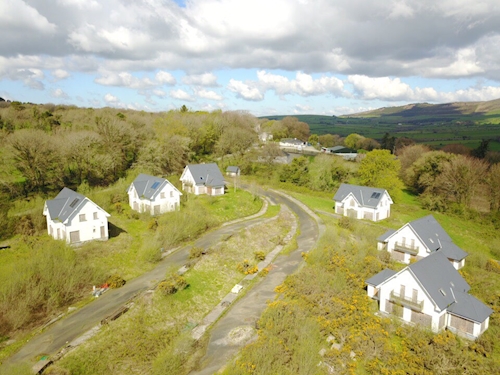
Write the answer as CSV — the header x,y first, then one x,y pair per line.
x,y
82,320
235,328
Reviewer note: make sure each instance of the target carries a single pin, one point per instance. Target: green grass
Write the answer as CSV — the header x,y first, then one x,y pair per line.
x,y
166,321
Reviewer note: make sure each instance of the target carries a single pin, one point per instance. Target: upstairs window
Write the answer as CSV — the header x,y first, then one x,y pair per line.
x,y
82,217
95,216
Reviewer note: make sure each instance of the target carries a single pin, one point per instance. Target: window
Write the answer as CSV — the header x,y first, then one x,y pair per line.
x,y
95,216
73,204
82,217
171,194
162,195
155,185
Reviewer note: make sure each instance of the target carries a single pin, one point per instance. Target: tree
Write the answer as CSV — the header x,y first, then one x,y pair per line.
x,y
164,156
235,140
296,172
407,156
353,141
460,179
380,169
327,172
456,148
329,140
493,181
295,128
481,151
388,142
423,173
38,158
270,151
313,139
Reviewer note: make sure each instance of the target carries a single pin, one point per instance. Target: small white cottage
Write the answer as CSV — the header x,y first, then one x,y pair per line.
x,y
74,218
203,179
154,195
362,202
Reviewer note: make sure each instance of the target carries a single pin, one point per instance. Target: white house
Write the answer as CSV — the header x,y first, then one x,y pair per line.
x,y
432,294
419,238
75,218
292,143
203,179
233,171
362,202
154,195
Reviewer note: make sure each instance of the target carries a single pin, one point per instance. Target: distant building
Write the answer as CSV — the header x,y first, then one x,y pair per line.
x,y
292,143
203,179
362,202
154,195
74,218
233,171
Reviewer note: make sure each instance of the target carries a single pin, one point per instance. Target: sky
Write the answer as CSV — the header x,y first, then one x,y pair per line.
x,y
267,57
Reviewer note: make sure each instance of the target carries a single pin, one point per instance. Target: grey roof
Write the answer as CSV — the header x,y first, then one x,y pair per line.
x,y
430,231
452,251
232,169
339,149
206,174
435,237
386,235
366,196
439,278
149,186
470,307
380,277
64,204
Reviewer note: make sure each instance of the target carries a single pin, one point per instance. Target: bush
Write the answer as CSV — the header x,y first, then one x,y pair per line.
x,y
173,284
196,252
259,256
246,268
345,223
153,224
115,281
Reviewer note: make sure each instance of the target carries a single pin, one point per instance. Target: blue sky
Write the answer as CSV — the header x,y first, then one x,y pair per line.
x,y
265,57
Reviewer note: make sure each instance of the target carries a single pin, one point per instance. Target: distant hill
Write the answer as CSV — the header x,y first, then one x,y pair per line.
x,y
435,111
436,125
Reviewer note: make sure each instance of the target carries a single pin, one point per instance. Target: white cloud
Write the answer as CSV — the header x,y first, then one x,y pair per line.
x,y
302,109
181,95
245,91
382,88
60,74
59,93
208,94
16,14
205,79
165,78
111,99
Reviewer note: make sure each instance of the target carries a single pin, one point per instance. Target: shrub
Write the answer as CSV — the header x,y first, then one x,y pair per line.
x,y
115,281
196,252
345,223
118,207
173,284
259,256
493,265
246,268
153,224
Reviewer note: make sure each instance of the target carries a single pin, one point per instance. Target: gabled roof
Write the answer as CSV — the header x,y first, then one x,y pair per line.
x,y
65,204
470,307
342,149
206,174
381,277
439,279
232,169
149,186
452,251
386,235
430,232
433,236
366,196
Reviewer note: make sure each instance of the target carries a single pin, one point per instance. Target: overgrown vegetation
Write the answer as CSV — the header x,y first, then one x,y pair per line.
x,y
323,322
155,336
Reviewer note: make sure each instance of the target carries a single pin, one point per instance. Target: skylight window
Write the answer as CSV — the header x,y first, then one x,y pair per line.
x,y
375,195
73,204
155,185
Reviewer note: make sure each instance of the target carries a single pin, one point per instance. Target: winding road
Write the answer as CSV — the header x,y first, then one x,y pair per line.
x,y
245,311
